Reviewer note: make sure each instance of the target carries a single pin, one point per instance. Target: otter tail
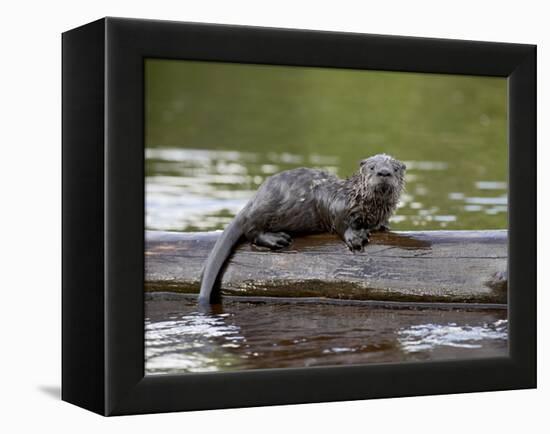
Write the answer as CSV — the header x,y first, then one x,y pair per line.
x,y
216,259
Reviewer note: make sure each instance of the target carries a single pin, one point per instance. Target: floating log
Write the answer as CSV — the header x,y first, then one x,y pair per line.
x,y
423,266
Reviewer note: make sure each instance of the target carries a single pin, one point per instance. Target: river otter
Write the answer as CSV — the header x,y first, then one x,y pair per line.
x,y
301,201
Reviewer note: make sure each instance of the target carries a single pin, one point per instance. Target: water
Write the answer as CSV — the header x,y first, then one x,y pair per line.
x,y
242,335
215,131
200,190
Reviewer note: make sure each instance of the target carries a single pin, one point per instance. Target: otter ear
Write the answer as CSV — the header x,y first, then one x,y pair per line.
x,y
403,166
362,163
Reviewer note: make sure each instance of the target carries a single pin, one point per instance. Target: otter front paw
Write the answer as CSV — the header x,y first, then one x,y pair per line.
x,y
355,240
384,228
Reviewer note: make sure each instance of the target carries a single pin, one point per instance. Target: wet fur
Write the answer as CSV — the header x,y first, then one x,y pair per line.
x,y
302,201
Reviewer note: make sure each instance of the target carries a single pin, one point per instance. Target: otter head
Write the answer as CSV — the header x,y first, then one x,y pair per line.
x,y
383,174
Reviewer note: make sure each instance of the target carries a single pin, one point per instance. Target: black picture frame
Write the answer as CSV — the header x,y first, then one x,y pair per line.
x,y
103,215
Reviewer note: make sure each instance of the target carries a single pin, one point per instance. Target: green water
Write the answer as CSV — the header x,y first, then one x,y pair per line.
x,y
215,131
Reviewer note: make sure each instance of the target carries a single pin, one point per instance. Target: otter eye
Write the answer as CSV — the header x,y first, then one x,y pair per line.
x,y
371,167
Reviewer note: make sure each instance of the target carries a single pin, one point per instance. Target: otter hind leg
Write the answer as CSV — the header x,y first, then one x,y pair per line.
x,y
273,240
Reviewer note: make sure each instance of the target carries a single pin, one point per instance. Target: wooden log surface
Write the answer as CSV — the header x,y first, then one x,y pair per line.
x,y
424,266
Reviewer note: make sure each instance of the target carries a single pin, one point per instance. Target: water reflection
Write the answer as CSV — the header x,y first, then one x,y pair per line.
x,y
200,190
430,336
191,343
243,335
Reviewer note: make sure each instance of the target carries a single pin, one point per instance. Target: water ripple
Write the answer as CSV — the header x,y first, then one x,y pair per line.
x,y
424,337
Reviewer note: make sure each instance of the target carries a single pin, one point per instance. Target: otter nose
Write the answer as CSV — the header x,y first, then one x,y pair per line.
x,y
383,172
